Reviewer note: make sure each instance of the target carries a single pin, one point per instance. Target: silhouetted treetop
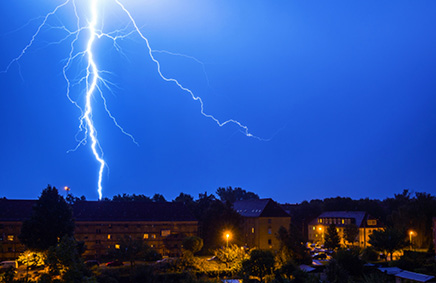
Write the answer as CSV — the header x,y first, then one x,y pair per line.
x,y
231,195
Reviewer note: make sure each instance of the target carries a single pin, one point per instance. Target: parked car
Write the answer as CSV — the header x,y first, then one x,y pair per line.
x,y
114,263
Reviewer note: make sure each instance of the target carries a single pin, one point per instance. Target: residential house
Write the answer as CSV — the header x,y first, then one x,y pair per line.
x,y
262,220
103,224
365,223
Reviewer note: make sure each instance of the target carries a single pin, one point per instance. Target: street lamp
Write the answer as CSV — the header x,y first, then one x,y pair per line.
x,y
411,234
322,234
227,235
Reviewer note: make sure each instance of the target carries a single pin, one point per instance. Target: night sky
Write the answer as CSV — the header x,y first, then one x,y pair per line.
x,y
344,90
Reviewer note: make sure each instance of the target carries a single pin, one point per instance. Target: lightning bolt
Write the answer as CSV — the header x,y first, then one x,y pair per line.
x,y
93,76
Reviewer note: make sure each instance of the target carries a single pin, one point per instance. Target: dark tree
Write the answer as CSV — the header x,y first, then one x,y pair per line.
x,y
331,238
350,261
158,198
351,231
127,197
65,258
193,244
51,220
260,264
388,241
215,217
186,199
231,195
131,250
292,245
71,199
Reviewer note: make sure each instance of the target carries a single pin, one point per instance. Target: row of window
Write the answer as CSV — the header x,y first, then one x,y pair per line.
x,y
146,236
336,221
269,230
110,226
9,238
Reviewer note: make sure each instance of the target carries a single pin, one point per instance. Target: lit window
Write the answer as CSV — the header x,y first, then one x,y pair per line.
x,y
145,236
117,246
343,221
109,236
165,233
252,230
11,238
320,220
313,227
153,236
152,246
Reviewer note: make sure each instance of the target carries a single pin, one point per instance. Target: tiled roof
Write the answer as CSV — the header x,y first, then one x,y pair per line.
x,y
15,210
19,210
259,208
131,211
359,216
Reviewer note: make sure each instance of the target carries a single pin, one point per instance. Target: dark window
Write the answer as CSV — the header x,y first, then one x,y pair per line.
x,y
126,225
98,231
269,221
98,241
2,226
269,241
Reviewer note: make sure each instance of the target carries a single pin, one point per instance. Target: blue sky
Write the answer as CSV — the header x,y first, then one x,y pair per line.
x,y
346,90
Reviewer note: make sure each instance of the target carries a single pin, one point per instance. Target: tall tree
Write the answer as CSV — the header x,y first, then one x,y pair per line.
x,y
351,231
292,245
331,238
65,259
214,218
186,199
388,240
51,220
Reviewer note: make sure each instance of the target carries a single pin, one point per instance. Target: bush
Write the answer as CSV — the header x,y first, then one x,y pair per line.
x,y
349,260
369,254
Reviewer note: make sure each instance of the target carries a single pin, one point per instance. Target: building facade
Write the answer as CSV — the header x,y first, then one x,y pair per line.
x,y
364,222
102,225
262,220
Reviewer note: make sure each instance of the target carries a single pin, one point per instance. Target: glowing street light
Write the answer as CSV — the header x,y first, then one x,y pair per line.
x,y
411,234
227,235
